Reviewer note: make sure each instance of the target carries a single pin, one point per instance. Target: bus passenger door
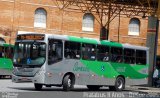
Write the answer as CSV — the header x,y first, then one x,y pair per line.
x,y
55,51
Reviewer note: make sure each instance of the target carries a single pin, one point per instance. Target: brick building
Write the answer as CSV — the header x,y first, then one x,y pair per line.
x,y
45,17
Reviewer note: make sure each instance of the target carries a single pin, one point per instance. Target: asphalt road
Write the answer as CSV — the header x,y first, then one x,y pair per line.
x,y
26,90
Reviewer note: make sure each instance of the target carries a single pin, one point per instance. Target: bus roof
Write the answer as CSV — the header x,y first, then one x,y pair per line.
x,y
95,41
129,46
89,41
85,40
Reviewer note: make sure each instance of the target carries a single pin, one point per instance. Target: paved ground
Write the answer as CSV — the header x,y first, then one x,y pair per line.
x,y
26,90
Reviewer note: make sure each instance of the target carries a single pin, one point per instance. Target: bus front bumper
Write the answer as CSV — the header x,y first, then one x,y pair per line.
x,y
20,79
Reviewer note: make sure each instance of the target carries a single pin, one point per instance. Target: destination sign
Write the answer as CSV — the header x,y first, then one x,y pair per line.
x,y
31,37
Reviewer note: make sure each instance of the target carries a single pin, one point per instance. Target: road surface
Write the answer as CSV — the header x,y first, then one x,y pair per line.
x,y
9,89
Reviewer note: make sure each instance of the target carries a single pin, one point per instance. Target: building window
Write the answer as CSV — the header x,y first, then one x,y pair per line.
x,y
40,18
88,22
134,27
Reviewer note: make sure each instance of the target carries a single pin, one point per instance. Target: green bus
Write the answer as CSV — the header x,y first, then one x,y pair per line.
x,y
61,60
6,55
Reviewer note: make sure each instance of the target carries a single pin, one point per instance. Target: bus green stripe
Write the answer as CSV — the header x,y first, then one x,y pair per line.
x,y
112,44
112,70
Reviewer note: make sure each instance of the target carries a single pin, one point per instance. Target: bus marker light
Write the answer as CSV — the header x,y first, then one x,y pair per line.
x,y
78,75
61,74
49,74
93,75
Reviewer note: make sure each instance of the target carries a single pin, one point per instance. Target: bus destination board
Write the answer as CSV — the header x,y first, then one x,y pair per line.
x,y
31,37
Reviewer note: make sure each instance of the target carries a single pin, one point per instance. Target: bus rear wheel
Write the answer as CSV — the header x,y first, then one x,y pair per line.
x,y
68,83
93,87
38,86
119,84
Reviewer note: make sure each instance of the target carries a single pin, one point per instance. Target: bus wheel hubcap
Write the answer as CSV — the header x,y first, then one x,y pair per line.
x,y
69,82
120,83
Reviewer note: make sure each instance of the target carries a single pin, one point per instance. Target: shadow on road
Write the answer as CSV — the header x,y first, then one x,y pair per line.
x,y
60,89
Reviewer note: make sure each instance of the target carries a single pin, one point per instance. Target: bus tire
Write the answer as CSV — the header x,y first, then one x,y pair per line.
x,y
38,86
119,83
68,83
93,87
48,85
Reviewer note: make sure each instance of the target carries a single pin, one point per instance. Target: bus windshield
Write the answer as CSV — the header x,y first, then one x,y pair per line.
x,y
29,54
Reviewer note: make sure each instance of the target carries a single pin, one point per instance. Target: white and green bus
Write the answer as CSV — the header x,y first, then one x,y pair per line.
x,y
61,60
6,55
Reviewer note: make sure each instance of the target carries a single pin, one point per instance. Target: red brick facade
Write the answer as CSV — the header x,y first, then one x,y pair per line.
x,y
18,15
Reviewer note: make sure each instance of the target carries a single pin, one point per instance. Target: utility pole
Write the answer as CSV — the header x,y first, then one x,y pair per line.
x,y
152,38
152,41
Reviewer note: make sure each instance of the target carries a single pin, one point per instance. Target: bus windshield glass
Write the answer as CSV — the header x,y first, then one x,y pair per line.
x,y
29,54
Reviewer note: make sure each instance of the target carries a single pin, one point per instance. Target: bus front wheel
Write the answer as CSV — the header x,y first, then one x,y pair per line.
x,y
68,83
38,86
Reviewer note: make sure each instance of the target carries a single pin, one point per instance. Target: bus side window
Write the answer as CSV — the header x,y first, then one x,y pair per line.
x,y
8,52
11,53
88,52
1,51
129,56
55,51
116,54
72,50
141,57
102,53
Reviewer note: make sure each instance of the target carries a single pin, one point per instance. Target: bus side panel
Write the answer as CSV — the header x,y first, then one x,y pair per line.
x,y
110,71
95,73
6,66
60,69
101,73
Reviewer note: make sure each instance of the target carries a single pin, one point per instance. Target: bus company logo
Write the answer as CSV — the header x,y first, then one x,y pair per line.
x,y
121,69
9,95
80,68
